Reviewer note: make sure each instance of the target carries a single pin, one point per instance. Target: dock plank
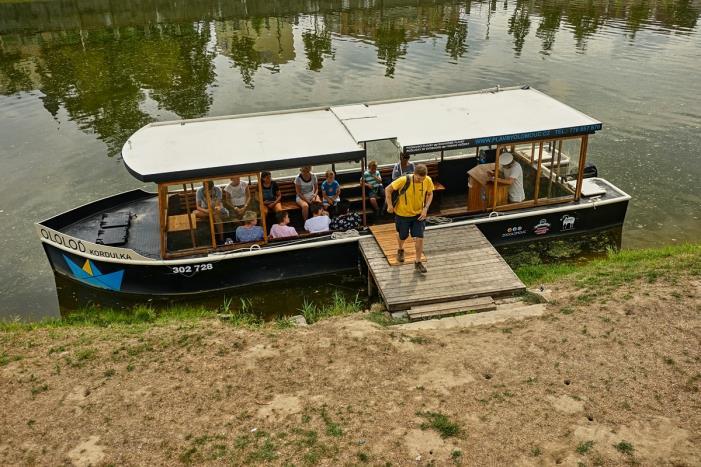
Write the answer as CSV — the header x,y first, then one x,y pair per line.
x,y
441,310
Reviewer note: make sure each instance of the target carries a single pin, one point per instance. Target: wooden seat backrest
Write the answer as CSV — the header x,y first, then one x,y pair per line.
x,y
432,171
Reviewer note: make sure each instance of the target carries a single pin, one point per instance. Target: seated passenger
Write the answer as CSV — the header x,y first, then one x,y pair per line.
x,y
237,197
281,229
319,222
249,231
307,188
330,191
373,184
271,193
345,220
202,206
403,167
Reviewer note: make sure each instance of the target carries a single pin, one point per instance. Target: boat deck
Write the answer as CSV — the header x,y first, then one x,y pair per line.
x,y
143,230
461,264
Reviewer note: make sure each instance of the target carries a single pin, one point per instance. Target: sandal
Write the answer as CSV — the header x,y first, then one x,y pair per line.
x,y
400,255
420,267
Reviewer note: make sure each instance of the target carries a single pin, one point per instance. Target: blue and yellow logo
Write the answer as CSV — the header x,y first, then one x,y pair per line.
x,y
92,276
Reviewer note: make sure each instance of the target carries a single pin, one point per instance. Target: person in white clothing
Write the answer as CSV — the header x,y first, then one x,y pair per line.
x,y
511,173
237,196
319,222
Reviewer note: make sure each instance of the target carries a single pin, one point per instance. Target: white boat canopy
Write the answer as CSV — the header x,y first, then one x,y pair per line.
x,y
211,147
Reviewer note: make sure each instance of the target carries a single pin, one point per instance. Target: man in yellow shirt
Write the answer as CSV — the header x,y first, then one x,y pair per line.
x,y
411,210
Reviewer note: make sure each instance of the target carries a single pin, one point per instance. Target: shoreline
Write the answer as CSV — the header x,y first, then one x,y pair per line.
x,y
609,374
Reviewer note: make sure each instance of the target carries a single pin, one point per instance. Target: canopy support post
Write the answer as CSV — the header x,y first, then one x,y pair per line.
x,y
363,165
162,217
496,178
552,164
211,213
189,217
536,191
261,206
580,172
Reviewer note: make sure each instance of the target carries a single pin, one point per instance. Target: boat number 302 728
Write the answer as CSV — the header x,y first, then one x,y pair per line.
x,y
192,268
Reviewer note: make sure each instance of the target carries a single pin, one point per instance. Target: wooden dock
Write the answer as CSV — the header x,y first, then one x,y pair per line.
x,y
465,272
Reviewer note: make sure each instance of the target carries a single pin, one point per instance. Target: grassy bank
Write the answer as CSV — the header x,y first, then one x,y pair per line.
x,y
610,374
619,267
239,314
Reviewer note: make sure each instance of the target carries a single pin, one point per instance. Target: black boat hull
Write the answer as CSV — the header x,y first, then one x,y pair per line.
x,y
195,276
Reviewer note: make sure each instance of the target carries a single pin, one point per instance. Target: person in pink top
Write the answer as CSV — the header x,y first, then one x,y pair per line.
x,y
281,229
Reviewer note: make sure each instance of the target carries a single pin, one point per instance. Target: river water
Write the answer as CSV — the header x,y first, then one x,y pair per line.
x,y
77,77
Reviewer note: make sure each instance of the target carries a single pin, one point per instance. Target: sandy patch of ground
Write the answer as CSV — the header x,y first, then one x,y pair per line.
x,y
425,446
87,453
280,407
566,404
441,380
626,367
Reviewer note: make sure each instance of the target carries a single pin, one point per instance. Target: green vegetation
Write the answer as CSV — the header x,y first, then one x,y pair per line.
x,y
103,317
5,358
584,447
339,306
440,423
332,428
142,316
624,447
620,267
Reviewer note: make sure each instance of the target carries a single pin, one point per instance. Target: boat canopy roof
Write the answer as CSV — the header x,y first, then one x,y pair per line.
x,y
219,146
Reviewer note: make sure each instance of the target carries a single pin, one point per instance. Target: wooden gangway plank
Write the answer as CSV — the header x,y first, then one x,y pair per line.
x,y
457,307
386,237
461,262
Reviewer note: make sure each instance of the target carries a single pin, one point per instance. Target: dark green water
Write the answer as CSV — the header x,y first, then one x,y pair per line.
x,y
78,77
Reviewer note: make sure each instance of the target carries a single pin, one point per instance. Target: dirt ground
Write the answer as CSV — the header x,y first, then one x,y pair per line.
x,y
613,381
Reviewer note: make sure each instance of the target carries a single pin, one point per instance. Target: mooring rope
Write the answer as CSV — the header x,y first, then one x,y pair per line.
x,y
438,220
345,234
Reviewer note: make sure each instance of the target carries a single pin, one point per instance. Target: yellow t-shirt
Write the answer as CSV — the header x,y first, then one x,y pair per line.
x,y
415,196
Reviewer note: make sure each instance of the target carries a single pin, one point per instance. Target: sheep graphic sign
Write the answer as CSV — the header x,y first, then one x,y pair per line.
x,y
567,222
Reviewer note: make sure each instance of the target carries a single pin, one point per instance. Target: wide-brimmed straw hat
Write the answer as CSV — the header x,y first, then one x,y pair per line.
x,y
506,158
249,216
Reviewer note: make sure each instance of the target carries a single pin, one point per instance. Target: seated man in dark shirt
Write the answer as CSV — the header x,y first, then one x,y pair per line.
x,y
345,220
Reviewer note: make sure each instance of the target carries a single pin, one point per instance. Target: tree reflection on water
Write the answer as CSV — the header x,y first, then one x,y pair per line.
x,y
109,64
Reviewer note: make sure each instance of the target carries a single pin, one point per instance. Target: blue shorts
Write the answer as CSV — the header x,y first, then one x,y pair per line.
x,y
409,224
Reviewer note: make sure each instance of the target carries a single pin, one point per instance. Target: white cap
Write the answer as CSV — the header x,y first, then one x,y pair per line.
x,y
506,158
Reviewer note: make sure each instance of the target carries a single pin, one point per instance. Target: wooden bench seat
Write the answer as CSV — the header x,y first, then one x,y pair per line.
x,y
289,194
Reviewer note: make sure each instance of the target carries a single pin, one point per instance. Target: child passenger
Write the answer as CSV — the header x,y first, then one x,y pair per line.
x,y
330,190
281,229
373,181
319,222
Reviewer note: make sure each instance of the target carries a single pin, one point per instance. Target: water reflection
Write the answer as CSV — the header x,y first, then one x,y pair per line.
x,y
101,78
89,54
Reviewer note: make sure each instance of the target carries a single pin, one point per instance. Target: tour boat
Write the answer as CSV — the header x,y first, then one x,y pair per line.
x,y
155,243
